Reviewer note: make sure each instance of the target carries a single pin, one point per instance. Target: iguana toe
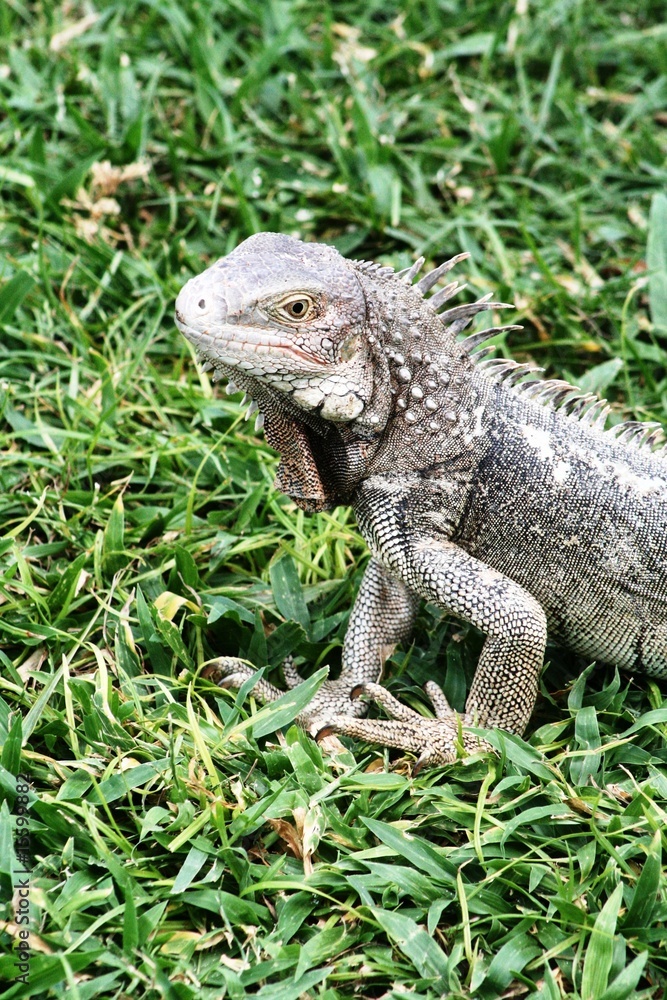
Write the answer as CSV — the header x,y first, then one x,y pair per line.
x,y
438,741
230,672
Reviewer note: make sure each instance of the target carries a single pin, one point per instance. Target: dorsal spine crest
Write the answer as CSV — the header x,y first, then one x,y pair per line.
x,y
586,408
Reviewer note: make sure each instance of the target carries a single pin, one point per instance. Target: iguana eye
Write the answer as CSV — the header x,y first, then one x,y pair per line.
x,y
298,308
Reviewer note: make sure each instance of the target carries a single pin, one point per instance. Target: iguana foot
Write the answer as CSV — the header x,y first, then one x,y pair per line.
x,y
437,741
337,709
332,700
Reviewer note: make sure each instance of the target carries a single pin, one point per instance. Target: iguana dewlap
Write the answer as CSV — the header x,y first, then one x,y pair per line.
x,y
493,494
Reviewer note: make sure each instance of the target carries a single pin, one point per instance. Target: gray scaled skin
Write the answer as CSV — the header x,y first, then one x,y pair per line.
x,y
495,495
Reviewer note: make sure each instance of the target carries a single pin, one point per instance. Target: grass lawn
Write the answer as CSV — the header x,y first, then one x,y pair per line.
x,y
178,847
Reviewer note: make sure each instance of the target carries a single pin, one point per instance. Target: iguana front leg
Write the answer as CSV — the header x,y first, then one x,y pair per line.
x,y
505,686
383,615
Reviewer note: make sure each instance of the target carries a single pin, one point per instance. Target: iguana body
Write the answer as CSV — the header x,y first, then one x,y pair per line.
x,y
503,501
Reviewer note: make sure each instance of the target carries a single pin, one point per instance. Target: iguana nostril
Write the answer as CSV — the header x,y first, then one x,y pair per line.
x,y
202,303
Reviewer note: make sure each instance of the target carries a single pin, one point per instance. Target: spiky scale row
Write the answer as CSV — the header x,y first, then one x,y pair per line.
x,y
655,437
588,408
471,309
473,340
638,432
445,294
429,280
545,389
373,267
499,368
408,274
486,352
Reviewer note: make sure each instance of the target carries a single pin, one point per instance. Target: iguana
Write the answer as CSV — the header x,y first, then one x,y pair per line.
x,y
496,495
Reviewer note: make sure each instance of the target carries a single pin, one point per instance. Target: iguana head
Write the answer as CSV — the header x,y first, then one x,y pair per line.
x,y
290,315
290,324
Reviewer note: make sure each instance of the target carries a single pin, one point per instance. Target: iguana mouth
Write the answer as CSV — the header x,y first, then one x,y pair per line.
x,y
243,341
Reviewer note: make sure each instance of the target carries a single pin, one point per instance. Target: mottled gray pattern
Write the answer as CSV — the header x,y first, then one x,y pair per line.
x,y
498,497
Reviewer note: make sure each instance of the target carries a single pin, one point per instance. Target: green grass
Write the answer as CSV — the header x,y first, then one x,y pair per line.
x,y
174,851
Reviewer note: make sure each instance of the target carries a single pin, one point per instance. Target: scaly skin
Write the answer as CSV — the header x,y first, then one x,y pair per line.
x,y
502,500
